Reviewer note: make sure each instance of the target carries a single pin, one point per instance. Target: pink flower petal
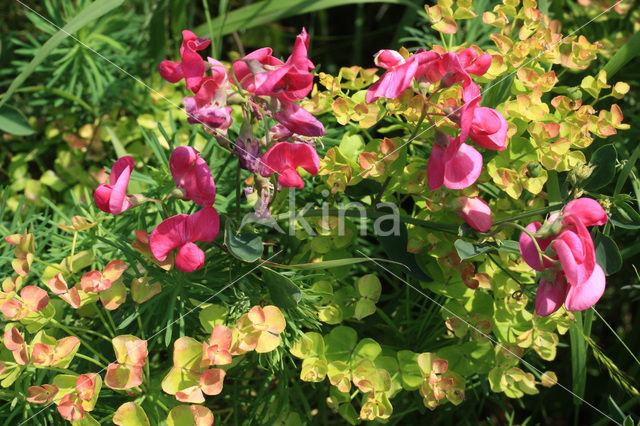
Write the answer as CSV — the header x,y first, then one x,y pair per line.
x,y
436,166
528,249
189,258
168,235
475,212
171,71
462,167
489,129
285,157
298,120
585,295
588,210
551,295
192,173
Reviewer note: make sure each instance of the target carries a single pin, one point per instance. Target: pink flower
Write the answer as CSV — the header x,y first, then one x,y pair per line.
x,y
298,120
489,129
112,198
475,212
285,157
261,74
570,274
191,173
181,232
207,106
455,165
192,67
400,72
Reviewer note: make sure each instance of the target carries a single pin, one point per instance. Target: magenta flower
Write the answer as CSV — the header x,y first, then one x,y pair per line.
x,y
489,129
400,72
112,198
475,212
192,67
298,120
285,157
181,232
570,274
262,74
208,105
191,173
455,165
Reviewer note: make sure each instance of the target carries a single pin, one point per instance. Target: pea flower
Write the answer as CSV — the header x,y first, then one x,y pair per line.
x,y
489,129
475,212
261,74
570,274
285,157
453,164
112,198
192,174
298,120
400,72
207,106
191,67
181,232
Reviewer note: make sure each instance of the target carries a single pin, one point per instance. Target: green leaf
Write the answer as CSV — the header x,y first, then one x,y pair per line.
x,y
366,349
364,308
92,12
284,292
624,216
626,53
467,250
14,122
369,286
396,248
266,11
339,343
246,246
607,254
604,159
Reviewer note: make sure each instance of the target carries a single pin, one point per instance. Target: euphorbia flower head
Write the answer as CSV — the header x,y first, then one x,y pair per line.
x,y
181,232
261,74
476,212
191,173
112,198
216,352
285,157
192,67
453,164
580,282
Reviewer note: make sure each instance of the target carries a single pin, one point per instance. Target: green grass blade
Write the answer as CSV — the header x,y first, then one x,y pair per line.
x,y
627,52
89,14
267,11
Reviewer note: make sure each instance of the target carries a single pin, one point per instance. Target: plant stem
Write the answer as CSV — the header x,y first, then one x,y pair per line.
x,y
617,337
550,208
86,358
88,346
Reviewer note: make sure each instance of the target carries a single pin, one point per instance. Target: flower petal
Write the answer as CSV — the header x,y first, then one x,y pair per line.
x,y
551,295
588,210
585,295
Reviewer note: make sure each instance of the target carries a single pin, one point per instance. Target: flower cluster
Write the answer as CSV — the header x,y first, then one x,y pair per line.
x,y
194,182
563,251
268,87
452,163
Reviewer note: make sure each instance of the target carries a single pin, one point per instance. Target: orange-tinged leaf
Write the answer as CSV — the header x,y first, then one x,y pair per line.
x,y
257,317
72,297
123,376
14,239
42,355
66,346
57,284
211,381
34,297
92,282
69,409
130,414
190,415
14,310
192,394
141,290
11,284
42,394
274,319
86,386
187,353
129,349
114,296
114,269
267,342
